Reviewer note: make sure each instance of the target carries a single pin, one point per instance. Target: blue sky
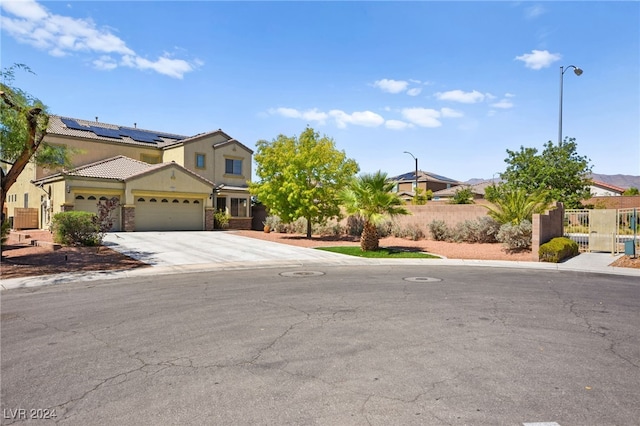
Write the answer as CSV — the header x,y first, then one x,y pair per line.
x,y
454,83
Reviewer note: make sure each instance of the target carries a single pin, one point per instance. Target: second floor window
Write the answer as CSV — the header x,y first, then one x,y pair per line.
x,y
233,167
200,161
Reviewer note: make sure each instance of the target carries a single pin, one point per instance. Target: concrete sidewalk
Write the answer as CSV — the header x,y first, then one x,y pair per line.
x,y
177,253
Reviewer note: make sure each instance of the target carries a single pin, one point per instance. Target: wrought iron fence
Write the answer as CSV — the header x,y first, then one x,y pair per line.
x,y
603,230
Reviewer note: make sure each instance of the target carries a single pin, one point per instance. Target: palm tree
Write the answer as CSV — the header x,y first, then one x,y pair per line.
x,y
515,205
370,196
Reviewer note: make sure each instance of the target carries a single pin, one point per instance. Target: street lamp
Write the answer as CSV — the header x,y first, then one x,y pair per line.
x,y
577,72
415,191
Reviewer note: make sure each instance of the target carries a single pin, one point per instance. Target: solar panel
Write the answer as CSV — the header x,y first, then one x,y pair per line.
x,y
105,132
441,177
139,135
73,124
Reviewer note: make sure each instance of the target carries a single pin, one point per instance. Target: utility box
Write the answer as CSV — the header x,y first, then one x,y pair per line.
x,y
630,248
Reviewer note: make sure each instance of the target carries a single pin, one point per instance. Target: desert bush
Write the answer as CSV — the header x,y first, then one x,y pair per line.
x,y
482,230
384,228
332,229
515,237
355,225
557,250
439,230
221,220
272,222
76,228
411,231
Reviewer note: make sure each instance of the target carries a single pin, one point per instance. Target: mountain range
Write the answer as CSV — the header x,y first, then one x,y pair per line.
x,y
622,181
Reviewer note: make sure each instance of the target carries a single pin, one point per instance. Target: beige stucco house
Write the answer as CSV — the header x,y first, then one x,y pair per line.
x,y
163,181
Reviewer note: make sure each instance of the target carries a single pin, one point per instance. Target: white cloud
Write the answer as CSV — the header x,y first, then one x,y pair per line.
x,y
460,96
62,35
358,118
308,115
503,103
450,113
534,11
422,117
509,95
391,86
397,124
538,59
414,92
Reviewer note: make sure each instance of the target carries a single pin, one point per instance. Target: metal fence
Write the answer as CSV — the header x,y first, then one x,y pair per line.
x,y
609,230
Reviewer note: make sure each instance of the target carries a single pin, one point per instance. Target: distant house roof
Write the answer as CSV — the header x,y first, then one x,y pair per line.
x,y
477,189
422,177
607,186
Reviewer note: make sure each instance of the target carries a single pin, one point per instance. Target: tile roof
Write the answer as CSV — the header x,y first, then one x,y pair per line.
x,y
604,185
117,168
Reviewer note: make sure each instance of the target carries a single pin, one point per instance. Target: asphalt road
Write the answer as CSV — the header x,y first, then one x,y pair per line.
x,y
342,345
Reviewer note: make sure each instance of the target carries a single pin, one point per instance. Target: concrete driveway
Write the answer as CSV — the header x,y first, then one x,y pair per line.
x,y
203,247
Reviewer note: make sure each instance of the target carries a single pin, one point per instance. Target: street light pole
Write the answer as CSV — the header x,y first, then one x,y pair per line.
x,y
577,72
415,191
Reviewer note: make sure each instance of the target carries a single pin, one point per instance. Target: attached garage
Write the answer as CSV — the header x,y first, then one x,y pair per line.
x,y
89,203
169,214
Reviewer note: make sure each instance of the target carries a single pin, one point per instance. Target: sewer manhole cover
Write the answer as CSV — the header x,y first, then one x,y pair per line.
x,y
302,274
422,279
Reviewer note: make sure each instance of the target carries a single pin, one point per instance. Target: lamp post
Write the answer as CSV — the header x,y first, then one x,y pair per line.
x,y
415,191
577,72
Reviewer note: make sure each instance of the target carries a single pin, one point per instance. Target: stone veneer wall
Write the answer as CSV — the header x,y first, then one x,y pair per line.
x,y
209,220
128,218
240,223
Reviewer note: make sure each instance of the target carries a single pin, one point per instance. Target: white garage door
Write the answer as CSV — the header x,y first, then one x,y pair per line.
x,y
89,203
169,214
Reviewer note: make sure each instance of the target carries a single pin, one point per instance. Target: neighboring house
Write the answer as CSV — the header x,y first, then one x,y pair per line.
x,y
477,190
164,181
601,189
405,183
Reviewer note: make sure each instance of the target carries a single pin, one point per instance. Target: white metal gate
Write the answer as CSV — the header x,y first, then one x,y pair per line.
x,y
607,230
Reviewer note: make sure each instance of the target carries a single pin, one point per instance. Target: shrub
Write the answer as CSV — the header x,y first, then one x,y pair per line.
x,y
221,220
515,237
355,225
332,229
76,228
5,232
482,230
384,228
557,250
272,222
439,230
411,231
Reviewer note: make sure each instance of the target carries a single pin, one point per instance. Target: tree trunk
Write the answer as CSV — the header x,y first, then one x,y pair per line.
x,y
369,241
308,227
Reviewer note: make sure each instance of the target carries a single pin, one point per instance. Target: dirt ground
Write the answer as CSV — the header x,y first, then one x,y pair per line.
x,y
20,258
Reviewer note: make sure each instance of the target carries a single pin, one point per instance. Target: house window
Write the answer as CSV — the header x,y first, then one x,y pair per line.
x,y
221,204
233,167
239,207
200,161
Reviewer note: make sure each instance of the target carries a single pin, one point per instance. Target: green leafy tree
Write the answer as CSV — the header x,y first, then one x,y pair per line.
x,y
23,125
514,205
631,191
559,171
421,197
301,177
370,196
462,196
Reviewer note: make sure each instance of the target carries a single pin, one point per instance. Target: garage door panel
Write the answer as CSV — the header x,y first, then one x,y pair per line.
x,y
91,205
169,216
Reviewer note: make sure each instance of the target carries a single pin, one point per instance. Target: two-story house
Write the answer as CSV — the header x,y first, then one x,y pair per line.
x,y
163,181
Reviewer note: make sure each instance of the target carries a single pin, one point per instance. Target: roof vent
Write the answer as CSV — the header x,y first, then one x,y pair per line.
x,y
96,119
